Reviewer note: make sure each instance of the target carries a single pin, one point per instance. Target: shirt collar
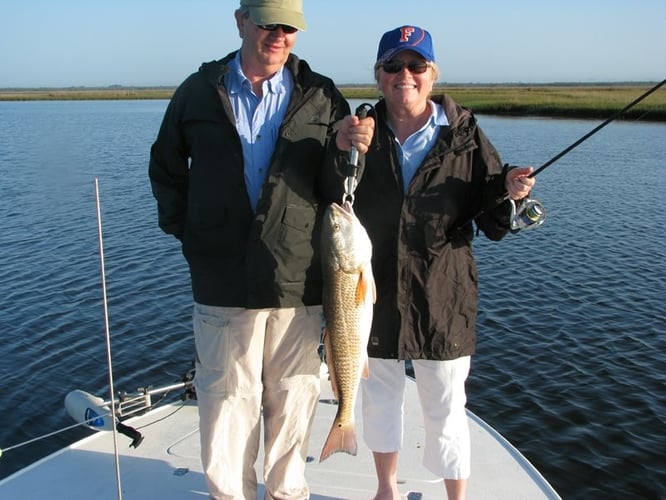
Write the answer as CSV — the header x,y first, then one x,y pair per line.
x,y
237,81
438,116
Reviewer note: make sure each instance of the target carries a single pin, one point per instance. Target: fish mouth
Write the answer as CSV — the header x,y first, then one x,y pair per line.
x,y
346,207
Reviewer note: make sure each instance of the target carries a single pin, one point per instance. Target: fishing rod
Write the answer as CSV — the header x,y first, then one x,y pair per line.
x,y
595,130
531,213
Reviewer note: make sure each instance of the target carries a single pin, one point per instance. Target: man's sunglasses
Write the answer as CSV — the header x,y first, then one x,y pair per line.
x,y
396,66
287,30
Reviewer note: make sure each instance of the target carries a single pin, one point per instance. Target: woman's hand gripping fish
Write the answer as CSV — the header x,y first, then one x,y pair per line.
x,y
349,294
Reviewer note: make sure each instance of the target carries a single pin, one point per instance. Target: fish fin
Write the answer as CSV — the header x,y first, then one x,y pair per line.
x,y
361,288
365,369
342,437
365,285
329,362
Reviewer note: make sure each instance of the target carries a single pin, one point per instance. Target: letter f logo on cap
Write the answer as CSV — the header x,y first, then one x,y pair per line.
x,y
405,38
405,33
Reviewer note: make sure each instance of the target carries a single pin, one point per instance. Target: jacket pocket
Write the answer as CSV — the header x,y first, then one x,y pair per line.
x,y
294,251
297,224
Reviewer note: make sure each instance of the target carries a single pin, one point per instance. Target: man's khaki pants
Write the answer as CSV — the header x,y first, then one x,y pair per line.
x,y
249,363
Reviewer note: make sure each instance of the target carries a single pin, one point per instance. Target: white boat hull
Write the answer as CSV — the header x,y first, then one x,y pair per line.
x,y
167,466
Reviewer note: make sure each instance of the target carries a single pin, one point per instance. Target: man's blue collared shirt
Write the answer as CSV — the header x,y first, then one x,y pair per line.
x,y
258,120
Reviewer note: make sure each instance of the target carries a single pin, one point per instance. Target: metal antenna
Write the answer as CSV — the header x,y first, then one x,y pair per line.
x,y
108,339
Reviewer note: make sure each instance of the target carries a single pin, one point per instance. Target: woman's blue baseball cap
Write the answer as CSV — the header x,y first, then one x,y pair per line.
x,y
406,38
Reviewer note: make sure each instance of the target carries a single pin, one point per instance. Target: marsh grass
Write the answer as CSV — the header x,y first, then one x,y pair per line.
x,y
564,101
85,94
580,101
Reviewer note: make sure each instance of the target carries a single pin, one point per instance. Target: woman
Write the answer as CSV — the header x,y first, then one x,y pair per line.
x,y
430,174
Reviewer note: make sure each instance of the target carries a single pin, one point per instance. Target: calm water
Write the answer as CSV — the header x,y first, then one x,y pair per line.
x,y
571,361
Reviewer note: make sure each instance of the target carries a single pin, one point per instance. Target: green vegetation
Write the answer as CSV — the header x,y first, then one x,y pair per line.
x,y
564,101
572,101
561,100
86,94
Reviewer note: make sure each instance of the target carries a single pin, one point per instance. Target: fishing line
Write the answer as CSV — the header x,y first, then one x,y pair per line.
x,y
39,438
122,404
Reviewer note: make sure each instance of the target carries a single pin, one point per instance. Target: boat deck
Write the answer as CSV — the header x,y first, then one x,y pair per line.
x,y
166,465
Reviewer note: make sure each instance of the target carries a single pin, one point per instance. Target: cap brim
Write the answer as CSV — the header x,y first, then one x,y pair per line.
x,y
389,54
266,15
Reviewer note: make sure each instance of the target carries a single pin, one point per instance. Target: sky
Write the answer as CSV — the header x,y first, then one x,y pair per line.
x,y
96,43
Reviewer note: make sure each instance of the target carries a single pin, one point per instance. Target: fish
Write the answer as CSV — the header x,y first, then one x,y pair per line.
x,y
348,296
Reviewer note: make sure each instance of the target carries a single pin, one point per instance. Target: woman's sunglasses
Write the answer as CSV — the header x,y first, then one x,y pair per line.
x,y
396,66
287,30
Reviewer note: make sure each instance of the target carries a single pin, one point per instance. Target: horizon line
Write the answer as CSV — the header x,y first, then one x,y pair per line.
x,y
340,85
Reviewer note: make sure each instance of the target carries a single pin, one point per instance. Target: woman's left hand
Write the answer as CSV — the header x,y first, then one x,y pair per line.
x,y
517,182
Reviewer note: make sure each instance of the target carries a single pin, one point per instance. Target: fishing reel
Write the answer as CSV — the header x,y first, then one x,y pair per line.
x,y
529,214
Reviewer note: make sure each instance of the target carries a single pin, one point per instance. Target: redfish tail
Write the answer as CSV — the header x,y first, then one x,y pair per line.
x,y
342,437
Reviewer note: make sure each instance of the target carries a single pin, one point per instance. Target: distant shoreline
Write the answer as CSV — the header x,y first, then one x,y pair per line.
x,y
549,100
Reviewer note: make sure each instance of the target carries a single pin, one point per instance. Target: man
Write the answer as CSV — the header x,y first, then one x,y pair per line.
x,y
234,170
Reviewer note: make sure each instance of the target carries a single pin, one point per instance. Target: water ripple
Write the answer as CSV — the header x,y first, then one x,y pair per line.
x,y
571,348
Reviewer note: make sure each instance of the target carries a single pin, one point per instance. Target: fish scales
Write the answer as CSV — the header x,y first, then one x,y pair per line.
x,y
349,293
345,339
